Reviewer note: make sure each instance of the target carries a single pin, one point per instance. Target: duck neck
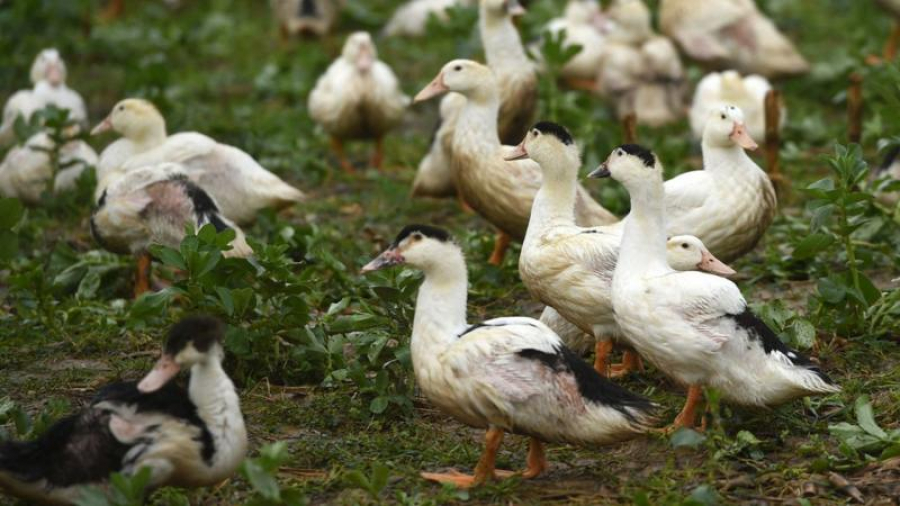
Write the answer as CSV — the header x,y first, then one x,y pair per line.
x,y
720,159
149,136
643,248
502,44
218,405
554,204
476,128
440,306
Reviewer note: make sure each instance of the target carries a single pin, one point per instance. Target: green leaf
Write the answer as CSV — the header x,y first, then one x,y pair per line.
x,y
865,417
9,244
380,475
89,284
804,333
831,291
812,244
168,256
704,495
378,405
226,300
261,480
685,437
11,211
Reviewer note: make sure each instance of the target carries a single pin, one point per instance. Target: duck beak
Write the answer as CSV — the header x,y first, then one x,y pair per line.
x,y
434,88
600,172
54,74
103,126
365,60
387,258
165,369
740,136
711,264
518,153
515,9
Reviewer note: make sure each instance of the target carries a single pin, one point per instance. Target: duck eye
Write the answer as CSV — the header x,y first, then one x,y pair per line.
x,y
723,116
457,68
417,237
684,245
121,107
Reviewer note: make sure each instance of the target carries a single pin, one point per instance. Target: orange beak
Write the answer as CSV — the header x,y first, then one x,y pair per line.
x,y
740,136
165,369
709,263
518,153
435,87
103,126
387,258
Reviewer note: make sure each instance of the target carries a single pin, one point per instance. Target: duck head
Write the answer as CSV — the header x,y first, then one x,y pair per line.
x,y
688,253
360,51
630,21
584,12
632,165
498,9
48,66
463,76
733,85
420,246
195,340
551,146
725,128
135,119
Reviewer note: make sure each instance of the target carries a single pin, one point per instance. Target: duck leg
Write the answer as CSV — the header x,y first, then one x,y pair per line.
x,y
501,244
378,155
142,275
338,147
631,361
466,208
890,48
537,460
581,84
688,412
485,469
113,10
601,351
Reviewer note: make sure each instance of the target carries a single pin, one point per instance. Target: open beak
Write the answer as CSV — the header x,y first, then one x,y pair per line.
x,y
600,172
165,369
515,9
711,264
518,153
103,126
434,88
387,258
740,136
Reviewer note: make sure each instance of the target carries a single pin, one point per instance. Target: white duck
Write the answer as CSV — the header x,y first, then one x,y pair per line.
x,y
748,93
584,25
500,191
434,176
358,97
730,34
192,437
306,17
152,205
26,169
239,184
565,266
48,74
505,375
889,169
693,326
411,18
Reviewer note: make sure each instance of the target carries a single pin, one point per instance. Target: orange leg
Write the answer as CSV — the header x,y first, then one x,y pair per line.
x,y
581,84
688,412
378,155
463,204
113,10
537,460
485,470
890,48
142,275
338,147
601,351
631,361
501,244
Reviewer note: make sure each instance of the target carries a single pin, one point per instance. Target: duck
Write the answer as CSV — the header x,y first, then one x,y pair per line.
x,y
306,17
188,437
411,18
695,327
358,97
240,185
516,74
48,76
888,169
748,93
25,169
584,25
153,205
504,375
500,191
434,175
731,34
639,70
568,267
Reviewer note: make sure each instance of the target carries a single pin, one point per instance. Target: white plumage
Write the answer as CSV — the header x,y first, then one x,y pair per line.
x,y
748,93
411,18
26,169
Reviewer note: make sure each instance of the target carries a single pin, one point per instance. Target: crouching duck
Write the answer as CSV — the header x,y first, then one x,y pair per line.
x,y
695,327
508,374
190,437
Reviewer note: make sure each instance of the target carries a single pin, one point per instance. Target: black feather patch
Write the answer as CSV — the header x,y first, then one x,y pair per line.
x,y
757,329
558,131
591,385
200,330
426,230
102,201
477,326
641,152
889,158
308,9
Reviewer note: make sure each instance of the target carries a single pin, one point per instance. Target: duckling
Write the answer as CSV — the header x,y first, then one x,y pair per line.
x,y
748,93
193,437
500,191
240,185
509,374
411,18
731,34
693,326
152,205
26,169
358,97
306,17
48,75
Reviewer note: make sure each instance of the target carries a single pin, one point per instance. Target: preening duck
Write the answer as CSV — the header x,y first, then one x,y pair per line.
x,y
358,97
695,327
152,205
306,17
190,437
240,185
500,191
568,267
748,93
26,169
48,75
505,375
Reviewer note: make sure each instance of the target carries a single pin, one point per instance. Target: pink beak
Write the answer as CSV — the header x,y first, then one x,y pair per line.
x,y
712,265
515,9
103,126
740,136
387,258
518,153
165,369
365,60
54,74
434,88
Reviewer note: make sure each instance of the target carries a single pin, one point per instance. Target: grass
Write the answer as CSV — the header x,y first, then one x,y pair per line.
x,y
217,66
